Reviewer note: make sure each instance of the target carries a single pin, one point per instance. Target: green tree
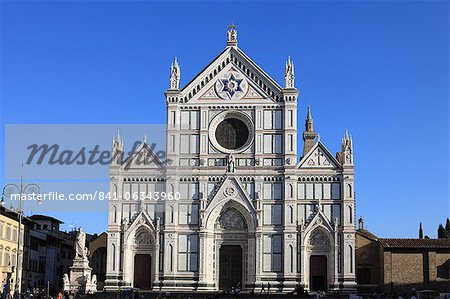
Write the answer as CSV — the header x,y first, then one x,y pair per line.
x,y
442,233
420,231
447,227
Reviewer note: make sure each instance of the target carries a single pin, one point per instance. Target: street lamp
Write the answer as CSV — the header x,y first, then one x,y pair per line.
x,y
8,191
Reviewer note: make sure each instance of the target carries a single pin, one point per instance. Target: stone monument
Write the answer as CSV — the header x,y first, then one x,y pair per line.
x,y
80,279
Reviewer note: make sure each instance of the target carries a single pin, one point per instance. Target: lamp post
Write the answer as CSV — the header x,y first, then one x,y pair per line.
x,y
9,190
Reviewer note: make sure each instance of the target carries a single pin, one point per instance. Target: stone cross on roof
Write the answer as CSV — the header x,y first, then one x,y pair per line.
x,y
232,35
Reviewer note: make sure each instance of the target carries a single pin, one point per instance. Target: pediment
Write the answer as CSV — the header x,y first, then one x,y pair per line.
x,y
231,193
143,158
319,220
319,157
141,219
232,77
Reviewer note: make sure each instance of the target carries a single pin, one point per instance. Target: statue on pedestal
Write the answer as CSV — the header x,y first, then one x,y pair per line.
x,y
80,279
80,245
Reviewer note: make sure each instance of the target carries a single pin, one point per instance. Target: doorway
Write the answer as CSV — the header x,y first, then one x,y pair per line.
x,y
142,271
230,267
318,272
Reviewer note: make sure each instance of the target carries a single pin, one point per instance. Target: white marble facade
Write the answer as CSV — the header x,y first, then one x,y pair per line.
x,y
233,166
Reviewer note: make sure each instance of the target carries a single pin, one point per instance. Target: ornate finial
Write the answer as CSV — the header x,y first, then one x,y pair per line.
x,y
117,142
289,74
309,124
232,35
175,75
347,150
145,137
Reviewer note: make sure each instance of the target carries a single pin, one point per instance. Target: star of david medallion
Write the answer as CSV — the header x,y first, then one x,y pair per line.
x,y
232,86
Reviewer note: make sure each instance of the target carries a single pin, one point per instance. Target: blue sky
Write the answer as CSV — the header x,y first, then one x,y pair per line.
x,y
378,68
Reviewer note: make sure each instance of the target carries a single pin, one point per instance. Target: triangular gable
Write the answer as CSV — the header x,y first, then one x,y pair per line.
x,y
216,90
261,83
319,219
143,157
231,188
319,157
142,218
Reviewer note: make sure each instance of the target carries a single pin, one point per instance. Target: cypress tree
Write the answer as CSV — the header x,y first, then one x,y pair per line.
x,y
420,231
441,232
447,228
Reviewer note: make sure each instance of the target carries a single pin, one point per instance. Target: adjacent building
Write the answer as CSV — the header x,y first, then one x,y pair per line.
x,y
240,208
97,258
402,266
51,253
12,251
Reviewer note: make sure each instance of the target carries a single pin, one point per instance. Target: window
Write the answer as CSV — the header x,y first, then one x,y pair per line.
x,y
187,214
161,252
8,259
335,191
272,119
272,191
301,191
350,253
272,214
170,258
189,144
187,252
250,188
272,143
8,232
189,120
188,190
272,259
309,191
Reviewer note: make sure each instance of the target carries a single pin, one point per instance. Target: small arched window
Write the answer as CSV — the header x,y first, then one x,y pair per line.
x,y
349,191
291,258
350,254
113,249
350,214
170,257
291,214
290,191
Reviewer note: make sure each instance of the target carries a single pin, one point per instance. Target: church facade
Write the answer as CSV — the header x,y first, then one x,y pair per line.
x,y
239,208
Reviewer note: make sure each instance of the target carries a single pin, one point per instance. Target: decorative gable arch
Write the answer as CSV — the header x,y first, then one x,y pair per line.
x,y
230,195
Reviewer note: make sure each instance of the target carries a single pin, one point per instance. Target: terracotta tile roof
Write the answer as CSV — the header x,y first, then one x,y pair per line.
x,y
415,243
367,234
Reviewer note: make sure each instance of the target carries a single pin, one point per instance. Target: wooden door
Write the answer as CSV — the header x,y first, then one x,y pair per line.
x,y
142,271
318,273
230,267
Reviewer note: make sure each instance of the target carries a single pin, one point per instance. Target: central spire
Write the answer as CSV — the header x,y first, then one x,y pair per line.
x,y
309,135
232,35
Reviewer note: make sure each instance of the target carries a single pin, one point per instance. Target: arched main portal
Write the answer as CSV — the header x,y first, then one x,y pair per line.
x,y
231,230
230,243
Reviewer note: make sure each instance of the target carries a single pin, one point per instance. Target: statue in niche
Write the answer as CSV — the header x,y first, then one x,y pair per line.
x,y
231,166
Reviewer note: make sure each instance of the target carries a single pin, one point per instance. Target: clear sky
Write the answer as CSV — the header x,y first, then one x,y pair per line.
x,y
378,68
